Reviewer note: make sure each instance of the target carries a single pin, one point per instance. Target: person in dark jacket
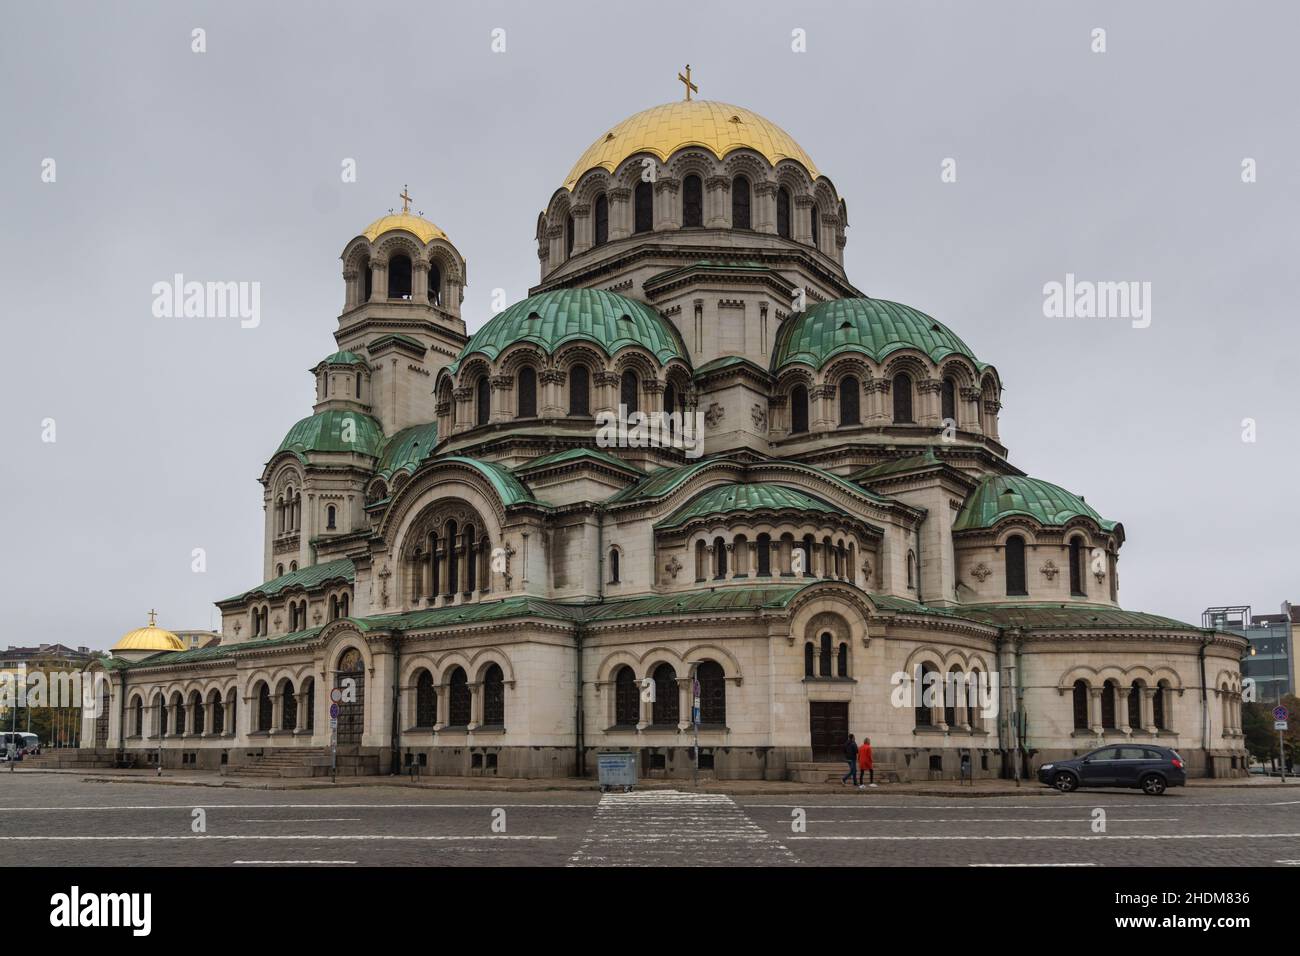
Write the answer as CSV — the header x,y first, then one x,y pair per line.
x,y
851,755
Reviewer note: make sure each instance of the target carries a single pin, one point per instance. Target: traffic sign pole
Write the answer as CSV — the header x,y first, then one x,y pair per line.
x,y
1280,715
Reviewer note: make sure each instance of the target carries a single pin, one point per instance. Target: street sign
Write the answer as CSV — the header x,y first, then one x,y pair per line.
x,y
334,712
1280,713
334,724
1279,725
336,695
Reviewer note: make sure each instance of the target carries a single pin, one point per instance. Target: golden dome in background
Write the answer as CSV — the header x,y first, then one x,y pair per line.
x,y
426,230
662,130
151,637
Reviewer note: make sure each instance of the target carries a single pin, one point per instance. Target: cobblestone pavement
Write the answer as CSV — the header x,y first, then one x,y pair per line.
x,y
56,819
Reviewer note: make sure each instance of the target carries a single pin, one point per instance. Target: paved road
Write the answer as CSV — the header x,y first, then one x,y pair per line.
x,y
56,819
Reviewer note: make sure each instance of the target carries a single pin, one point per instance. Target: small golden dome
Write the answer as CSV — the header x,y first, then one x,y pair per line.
x,y
717,127
151,637
426,230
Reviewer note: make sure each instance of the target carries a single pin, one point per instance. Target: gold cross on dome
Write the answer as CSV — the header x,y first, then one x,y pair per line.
x,y
405,198
690,87
152,616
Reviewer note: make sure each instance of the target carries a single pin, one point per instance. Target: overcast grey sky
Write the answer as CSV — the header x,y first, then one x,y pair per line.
x,y
225,165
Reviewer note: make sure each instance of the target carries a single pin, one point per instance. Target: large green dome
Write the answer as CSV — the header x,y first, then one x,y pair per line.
x,y
999,496
872,327
334,431
551,319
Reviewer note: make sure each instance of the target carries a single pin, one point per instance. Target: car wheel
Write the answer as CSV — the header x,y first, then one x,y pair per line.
x,y
1065,782
1153,785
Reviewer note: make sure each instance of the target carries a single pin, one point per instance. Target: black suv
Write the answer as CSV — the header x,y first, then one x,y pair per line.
x,y
1127,765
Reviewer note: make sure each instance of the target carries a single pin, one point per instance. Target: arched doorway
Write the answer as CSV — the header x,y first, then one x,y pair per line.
x,y
350,677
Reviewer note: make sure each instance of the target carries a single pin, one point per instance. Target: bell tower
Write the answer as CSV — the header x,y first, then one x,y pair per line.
x,y
403,285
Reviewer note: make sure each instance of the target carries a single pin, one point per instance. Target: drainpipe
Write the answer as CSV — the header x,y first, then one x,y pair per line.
x,y
919,598
1022,720
395,641
579,633
121,715
1205,710
1003,713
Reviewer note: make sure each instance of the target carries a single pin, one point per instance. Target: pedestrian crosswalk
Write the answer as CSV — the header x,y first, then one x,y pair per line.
x,y
672,828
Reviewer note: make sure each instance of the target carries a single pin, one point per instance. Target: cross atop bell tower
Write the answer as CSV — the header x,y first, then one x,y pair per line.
x,y
405,197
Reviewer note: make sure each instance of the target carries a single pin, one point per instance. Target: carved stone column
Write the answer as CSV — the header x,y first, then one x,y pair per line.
x,y
620,213
503,390
667,208
582,232
763,214
717,202
802,225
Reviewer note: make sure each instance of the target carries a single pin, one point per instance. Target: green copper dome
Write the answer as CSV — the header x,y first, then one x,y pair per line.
x,y
406,450
342,358
550,319
757,496
873,327
336,431
1000,496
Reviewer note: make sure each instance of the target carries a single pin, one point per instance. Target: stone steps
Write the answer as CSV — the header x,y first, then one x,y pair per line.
x,y
824,771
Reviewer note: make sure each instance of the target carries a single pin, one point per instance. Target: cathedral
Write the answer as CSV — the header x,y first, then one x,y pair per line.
x,y
465,572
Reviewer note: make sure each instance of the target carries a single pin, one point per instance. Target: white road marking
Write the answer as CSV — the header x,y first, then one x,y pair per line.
x,y
293,862
323,806
1117,836
1001,820
1031,864
978,805
672,828
322,837
302,820
1288,862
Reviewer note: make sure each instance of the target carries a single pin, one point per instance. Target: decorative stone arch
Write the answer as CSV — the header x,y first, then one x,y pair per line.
x,y
1022,525
397,242
447,663
661,654
751,165
844,365
823,193
579,352
592,184
411,667
628,173
693,161
519,354
837,600
356,252
1089,675
469,371
960,370
731,669
791,174
435,481
609,665
916,364
639,360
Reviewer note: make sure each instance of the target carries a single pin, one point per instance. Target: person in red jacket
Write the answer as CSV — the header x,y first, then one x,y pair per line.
x,y
864,764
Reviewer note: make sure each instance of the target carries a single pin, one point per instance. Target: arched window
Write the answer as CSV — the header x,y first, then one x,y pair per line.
x,y
1108,705
902,389
218,713
798,409
568,235
527,384
459,698
494,697
331,514
613,565
601,213
482,400
435,284
783,213
1135,706
824,657
161,705
399,277
816,227
949,400
288,708
950,713
579,390
740,218
471,565
309,688
713,694
850,395
265,707
666,709
644,201
1076,567
692,202
1160,705
809,655
911,570
719,558
453,559
1015,565
358,384
670,402
764,555
137,719
806,546
701,563
627,698
367,281
927,681
1080,696
628,392
974,716
842,661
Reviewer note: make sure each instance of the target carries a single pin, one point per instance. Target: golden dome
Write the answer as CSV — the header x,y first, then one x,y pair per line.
x,y
662,130
151,637
426,230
